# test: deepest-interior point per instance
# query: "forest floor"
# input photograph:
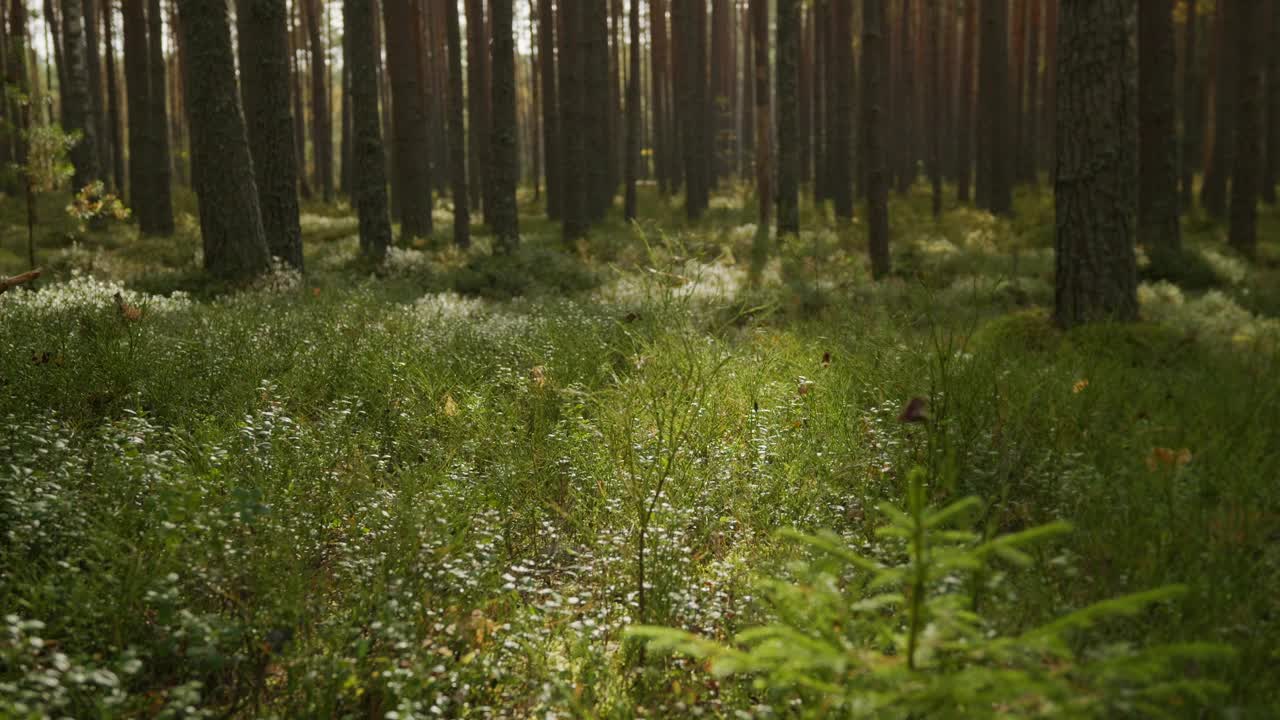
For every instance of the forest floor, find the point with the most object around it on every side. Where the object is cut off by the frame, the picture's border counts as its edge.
(417, 490)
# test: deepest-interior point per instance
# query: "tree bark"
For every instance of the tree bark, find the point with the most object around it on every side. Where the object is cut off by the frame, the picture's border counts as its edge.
(93, 67)
(115, 128)
(321, 122)
(573, 210)
(1221, 155)
(1247, 170)
(965, 111)
(77, 114)
(477, 99)
(410, 128)
(596, 108)
(550, 106)
(230, 221)
(1157, 128)
(504, 168)
(1096, 274)
(995, 191)
(457, 131)
(632, 164)
(1192, 108)
(137, 91)
(764, 159)
(874, 52)
(840, 147)
(368, 172)
(658, 54)
(905, 119)
(1272, 172)
(264, 84)
(933, 95)
(160, 160)
(788, 54)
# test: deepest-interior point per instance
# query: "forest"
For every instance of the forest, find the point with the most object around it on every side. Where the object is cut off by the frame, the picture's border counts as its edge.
(639, 359)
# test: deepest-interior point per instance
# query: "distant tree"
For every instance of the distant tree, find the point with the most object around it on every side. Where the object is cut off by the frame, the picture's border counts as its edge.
(1031, 117)
(1192, 106)
(16, 77)
(632, 164)
(411, 138)
(550, 99)
(477, 100)
(1220, 158)
(995, 192)
(904, 117)
(369, 171)
(874, 94)
(77, 113)
(660, 90)
(596, 108)
(115, 128)
(457, 131)
(1246, 173)
(321, 122)
(1096, 271)
(230, 222)
(932, 124)
(764, 143)
(840, 145)
(688, 21)
(1157, 127)
(296, 42)
(504, 170)
(137, 91)
(262, 27)
(1271, 175)
(93, 69)
(159, 159)
(573, 202)
(788, 54)
(965, 111)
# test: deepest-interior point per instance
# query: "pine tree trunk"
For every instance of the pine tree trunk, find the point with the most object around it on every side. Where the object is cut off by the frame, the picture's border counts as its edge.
(77, 113)
(1272, 172)
(1157, 127)
(905, 119)
(874, 94)
(1221, 155)
(788, 54)
(141, 197)
(693, 106)
(1095, 265)
(994, 158)
(230, 221)
(1192, 107)
(550, 106)
(410, 140)
(933, 93)
(764, 160)
(1031, 125)
(299, 116)
(368, 172)
(93, 68)
(457, 131)
(965, 111)
(573, 222)
(263, 31)
(477, 97)
(1049, 115)
(159, 159)
(16, 78)
(1246, 173)
(115, 128)
(596, 108)
(504, 169)
(321, 122)
(632, 164)
(840, 149)
(805, 135)
(658, 54)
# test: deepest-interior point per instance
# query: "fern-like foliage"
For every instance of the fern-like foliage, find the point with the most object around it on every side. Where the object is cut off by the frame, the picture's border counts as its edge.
(857, 637)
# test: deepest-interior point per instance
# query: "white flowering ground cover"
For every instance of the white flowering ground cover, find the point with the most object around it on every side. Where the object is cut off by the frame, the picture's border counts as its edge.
(418, 490)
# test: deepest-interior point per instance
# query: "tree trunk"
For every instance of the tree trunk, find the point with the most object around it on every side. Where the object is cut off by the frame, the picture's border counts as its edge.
(77, 115)
(658, 54)
(1192, 107)
(1221, 155)
(504, 169)
(264, 83)
(995, 191)
(1031, 124)
(840, 147)
(933, 95)
(805, 135)
(410, 140)
(688, 19)
(1247, 169)
(368, 171)
(1095, 264)
(550, 106)
(632, 163)
(1272, 172)
(596, 108)
(764, 160)
(1048, 114)
(965, 111)
(477, 97)
(905, 117)
(573, 146)
(321, 122)
(141, 197)
(874, 93)
(299, 116)
(16, 78)
(457, 131)
(93, 67)
(159, 160)
(230, 221)
(115, 128)
(788, 54)
(1157, 127)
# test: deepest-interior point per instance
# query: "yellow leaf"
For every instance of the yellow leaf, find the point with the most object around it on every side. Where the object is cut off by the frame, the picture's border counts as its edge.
(450, 407)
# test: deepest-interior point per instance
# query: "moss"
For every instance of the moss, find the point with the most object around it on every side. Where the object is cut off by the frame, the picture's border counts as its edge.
(1028, 331)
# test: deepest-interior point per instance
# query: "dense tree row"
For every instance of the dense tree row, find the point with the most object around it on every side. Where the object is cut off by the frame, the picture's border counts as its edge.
(839, 100)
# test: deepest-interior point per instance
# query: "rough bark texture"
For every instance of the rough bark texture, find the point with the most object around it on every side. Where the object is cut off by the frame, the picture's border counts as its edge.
(93, 68)
(457, 131)
(136, 93)
(16, 77)
(904, 117)
(1157, 127)
(550, 106)
(321, 122)
(1192, 107)
(995, 191)
(933, 95)
(874, 93)
(596, 107)
(788, 53)
(1246, 174)
(230, 222)
(410, 130)
(369, 171)
(115, 128)
(573, 208)
(689, 20)
(1093, 184)
(477, 98)
(764, 144)
(632, 165)
(159, 160)
(840, 149)
(77, 113)
(1221, 155)
(658, 81)
(504, 167)
(965, 111)
(264, 83)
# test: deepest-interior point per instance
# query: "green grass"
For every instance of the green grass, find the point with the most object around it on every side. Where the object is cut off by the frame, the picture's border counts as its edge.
(416, 486)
